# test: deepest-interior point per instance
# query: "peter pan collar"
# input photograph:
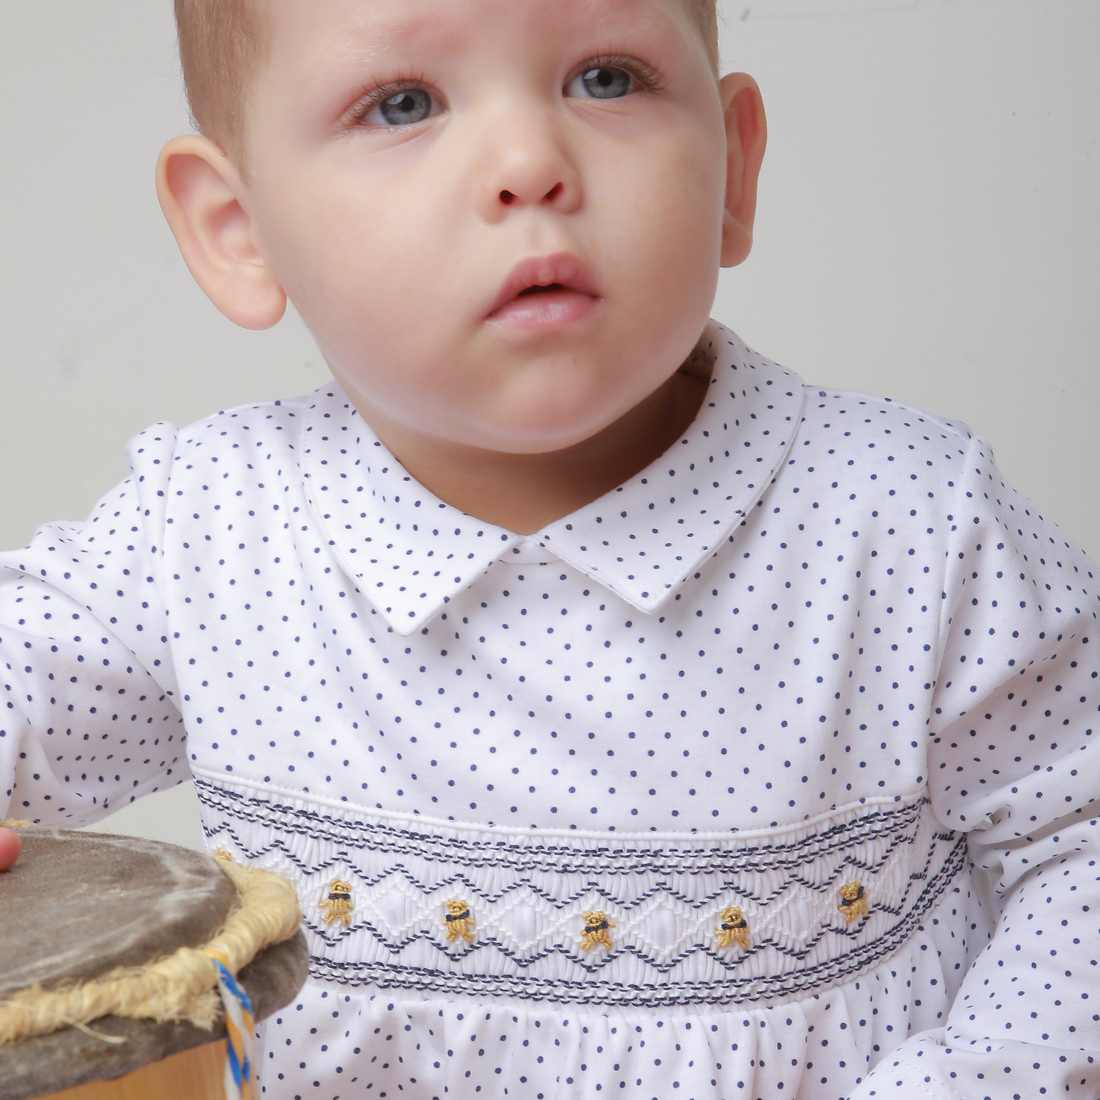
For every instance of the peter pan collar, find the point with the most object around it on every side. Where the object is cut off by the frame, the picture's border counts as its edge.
(411, 553)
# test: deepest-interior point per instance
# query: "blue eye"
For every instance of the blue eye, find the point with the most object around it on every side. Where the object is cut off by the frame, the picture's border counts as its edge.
(403, 108)
(603, 82)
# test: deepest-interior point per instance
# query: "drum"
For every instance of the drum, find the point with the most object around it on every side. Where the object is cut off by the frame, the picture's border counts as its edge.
(125, 964)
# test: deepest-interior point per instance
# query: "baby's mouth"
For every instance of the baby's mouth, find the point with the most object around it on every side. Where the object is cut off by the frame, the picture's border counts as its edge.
(539, 289)
(544, 293)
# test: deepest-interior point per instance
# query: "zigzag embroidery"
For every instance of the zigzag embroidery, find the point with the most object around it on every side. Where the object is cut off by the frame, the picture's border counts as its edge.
(345, 862)
(536, 856)
(927, 896)
(673, 994)
(332, 938)
(529, 894)
(553, 857)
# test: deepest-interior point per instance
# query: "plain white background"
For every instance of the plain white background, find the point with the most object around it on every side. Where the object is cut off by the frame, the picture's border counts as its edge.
(928, 229)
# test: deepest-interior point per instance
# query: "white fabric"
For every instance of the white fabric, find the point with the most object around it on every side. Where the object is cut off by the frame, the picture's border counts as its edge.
(817, 613)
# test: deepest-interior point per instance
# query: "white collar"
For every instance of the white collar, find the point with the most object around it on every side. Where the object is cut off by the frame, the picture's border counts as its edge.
(411, 553)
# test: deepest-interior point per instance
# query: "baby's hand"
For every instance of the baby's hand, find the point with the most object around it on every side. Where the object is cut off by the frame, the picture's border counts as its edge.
(10, 847)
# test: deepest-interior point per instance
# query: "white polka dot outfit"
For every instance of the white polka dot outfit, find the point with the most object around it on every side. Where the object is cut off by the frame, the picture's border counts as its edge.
(682, 796)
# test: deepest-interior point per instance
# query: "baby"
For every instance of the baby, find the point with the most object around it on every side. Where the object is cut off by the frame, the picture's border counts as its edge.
(629, 715)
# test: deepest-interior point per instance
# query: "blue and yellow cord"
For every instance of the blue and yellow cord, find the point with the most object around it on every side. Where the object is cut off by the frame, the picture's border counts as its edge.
(241, 1026)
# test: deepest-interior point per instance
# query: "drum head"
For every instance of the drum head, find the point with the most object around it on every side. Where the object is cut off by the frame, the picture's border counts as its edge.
(78, 905)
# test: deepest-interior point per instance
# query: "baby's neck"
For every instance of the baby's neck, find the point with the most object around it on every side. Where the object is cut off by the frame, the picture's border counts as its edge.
(525, 492)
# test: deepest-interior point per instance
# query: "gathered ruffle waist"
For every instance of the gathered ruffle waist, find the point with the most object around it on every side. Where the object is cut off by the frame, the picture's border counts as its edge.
(440, 909)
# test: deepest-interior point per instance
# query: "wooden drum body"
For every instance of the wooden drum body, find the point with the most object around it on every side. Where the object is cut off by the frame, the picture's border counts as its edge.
(78, 907)
(195, 1074)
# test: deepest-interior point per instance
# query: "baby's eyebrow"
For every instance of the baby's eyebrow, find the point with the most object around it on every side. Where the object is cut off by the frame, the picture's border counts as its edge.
(370, 40)
(387, 26)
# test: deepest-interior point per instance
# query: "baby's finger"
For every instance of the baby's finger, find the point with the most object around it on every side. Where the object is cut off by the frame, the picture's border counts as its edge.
(10, 847)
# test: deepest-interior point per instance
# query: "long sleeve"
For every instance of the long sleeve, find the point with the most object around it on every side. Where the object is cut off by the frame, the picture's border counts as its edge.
(1012, 760)
(88, 716)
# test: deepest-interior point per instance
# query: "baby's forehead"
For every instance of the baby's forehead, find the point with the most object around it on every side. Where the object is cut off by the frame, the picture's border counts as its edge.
(385, 25)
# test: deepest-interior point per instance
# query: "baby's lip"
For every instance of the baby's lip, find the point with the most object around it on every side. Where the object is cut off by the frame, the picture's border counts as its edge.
(559, 270)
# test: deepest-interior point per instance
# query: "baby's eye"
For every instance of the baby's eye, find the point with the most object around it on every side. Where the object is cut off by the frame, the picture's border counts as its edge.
(601, 82)
(403, 108)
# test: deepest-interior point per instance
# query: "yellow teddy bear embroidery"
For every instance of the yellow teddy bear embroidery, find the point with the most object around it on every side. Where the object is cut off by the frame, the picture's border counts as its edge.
(458, 921)
(853, 902)
(338, 904)
(596, 927)
(733, 929)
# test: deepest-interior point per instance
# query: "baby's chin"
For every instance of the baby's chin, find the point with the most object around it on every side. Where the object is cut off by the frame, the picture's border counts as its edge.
(516, 419)
(492, 396)
(518, 437)
(544, 428)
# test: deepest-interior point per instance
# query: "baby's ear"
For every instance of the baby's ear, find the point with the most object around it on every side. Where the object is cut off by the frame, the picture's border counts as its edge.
(204, 199)
(746, 139)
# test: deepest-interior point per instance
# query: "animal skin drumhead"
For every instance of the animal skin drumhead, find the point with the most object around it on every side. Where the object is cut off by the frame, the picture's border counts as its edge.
(77, 906)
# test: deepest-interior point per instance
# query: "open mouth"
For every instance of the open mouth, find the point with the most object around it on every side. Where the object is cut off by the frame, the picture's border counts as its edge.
(543, 293)
(539, 289)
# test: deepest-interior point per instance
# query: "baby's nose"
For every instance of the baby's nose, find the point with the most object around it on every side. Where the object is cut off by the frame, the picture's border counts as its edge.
(508, 197)
(526, 162)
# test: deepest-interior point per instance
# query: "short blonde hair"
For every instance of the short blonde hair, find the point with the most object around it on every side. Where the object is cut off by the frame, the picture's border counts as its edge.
(706, 15)
(223, 42)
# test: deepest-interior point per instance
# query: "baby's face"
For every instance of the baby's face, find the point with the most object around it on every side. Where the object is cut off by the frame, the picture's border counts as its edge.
(420, 168)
